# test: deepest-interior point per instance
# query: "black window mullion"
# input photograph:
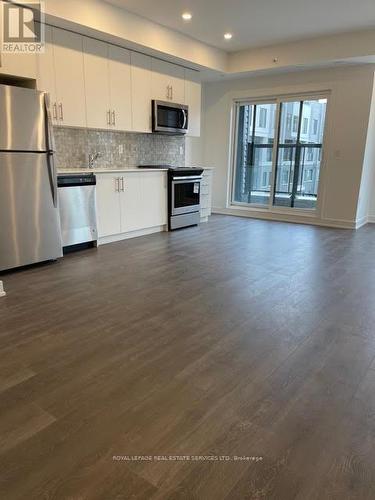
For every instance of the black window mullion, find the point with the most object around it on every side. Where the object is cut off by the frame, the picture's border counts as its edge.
(297, 158)
(277, 154)
(252, 154)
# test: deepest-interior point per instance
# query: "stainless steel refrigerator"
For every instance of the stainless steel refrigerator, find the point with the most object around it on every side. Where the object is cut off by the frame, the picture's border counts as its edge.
(29, 217)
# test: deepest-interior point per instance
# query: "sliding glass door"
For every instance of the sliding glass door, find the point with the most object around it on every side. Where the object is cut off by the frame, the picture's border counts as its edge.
(278, 153)
(254, 156)
(299, 153)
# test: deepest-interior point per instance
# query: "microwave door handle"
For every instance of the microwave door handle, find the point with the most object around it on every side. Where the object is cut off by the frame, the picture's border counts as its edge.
(184, 122)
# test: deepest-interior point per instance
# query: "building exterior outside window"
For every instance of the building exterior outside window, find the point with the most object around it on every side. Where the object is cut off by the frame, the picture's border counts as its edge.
(256, 156)
(262, 117)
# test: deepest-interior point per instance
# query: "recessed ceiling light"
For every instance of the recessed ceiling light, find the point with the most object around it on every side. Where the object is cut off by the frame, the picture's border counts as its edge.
(228, 36)
(186, 16)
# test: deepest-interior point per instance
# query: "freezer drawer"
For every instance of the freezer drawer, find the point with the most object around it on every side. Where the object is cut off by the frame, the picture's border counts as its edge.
(29, 218)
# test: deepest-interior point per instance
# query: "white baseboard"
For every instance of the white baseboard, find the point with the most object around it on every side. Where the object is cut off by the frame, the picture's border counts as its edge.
(295, 219)
(132, 234)
(361, 222)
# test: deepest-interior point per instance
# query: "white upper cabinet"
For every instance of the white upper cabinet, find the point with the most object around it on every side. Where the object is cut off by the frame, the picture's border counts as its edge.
(193, 98)
(99, 85)
(168, 82)
(120, 88)
(141, 95)
(46, 73)
(98, 110)
(69, 77)
(19, 65)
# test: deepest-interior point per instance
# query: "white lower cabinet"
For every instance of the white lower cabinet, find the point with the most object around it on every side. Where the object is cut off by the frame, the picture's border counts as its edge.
(108, 204)
(131, 206)
(154, 191)
(130, 201)
(206, 195)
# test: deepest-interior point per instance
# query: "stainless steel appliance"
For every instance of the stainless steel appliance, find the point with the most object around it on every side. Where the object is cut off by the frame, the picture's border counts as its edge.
(29, 217)
(170, 118)
(184, 188)
(184, 197)
(77, 201)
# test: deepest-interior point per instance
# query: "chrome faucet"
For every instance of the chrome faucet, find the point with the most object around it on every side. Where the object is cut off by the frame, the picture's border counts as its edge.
(93, 157)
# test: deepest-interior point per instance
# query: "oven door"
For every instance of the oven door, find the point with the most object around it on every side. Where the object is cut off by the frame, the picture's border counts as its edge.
(186, 195)
(169, 118)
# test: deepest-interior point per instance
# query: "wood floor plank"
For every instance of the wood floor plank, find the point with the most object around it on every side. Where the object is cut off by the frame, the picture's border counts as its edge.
(12, 372)
(238, 337)
(21, 423)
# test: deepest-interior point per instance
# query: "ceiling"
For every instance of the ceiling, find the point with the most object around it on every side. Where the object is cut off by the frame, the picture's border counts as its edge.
(255, 23)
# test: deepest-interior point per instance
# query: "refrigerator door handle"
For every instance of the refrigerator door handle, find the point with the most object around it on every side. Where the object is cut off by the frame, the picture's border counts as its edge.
(48, 121)
(52, 177)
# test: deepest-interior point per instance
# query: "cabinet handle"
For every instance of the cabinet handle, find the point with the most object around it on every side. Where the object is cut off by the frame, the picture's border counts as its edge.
(117, 184)
(113, 118)
(167, 91)
(171, 92)
(122, 185)
(54, 111)
(61, 111)
(109, 117)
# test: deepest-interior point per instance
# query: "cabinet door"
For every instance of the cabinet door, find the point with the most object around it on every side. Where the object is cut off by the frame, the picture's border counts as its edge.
(193, 97)
(96, 83)
(131, 203)
(168, 82)
(108, 205)
(141, 92)
(120, 88)
(70, 88)
(154, 199)
(46, 73)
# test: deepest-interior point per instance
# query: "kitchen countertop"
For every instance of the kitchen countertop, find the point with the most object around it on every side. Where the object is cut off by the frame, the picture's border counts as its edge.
(112, 170)
(107, 170)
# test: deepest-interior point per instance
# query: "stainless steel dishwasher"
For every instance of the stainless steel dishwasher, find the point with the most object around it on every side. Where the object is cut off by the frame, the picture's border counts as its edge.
(77, 203)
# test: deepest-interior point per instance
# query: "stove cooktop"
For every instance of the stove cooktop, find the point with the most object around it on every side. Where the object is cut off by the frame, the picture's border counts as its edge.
(170, 167)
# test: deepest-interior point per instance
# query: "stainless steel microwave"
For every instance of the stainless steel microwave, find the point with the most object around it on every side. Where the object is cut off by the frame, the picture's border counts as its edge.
(170, 118)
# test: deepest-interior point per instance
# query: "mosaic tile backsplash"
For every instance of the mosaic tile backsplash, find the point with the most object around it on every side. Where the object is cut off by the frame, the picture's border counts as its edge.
(118, 149)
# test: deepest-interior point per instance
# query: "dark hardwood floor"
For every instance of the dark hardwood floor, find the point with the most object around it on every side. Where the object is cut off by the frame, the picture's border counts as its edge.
(238, 338)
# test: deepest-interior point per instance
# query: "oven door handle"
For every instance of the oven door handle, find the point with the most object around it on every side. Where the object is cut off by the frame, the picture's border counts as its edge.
(187, 178)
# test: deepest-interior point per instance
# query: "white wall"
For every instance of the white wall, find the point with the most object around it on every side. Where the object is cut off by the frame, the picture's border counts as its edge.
(312, 51)
(347, 120)
(367, 189)
(371, 214)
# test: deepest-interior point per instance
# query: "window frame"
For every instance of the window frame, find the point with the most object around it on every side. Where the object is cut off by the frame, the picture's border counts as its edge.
(277, 99)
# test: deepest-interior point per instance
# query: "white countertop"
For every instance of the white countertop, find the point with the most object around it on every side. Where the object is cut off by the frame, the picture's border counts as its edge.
(112, 170)
(107, 170)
